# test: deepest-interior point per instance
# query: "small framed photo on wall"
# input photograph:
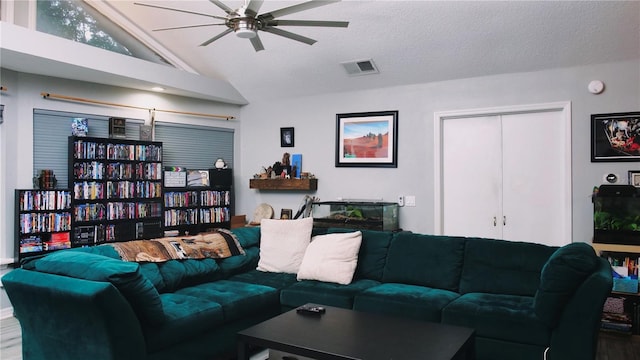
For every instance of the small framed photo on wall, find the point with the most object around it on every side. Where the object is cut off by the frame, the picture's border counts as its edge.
(286, 214)
(286, 137)
(634, 178)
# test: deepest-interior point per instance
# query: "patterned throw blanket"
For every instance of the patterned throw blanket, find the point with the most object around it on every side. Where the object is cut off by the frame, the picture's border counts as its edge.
(219, 244)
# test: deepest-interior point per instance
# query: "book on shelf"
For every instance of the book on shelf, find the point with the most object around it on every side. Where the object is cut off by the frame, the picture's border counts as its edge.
(88, 235)
(58, 241)
(31, 244)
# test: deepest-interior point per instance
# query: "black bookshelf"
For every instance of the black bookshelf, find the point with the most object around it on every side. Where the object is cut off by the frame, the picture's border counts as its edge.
(116, 190)
(43, 221)
(200, 206)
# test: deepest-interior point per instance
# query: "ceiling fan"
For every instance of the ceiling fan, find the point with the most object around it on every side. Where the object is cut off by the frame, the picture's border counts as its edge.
(245, 21)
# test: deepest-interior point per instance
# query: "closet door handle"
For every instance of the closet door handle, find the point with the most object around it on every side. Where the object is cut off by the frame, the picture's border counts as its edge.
(504, 221)
(495, 221)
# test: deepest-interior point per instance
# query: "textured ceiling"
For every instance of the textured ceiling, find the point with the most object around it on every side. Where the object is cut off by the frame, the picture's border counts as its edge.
(409, 41)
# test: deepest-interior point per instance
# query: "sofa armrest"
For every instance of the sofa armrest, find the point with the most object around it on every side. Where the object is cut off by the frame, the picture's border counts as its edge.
(69, 318)
(576, 335)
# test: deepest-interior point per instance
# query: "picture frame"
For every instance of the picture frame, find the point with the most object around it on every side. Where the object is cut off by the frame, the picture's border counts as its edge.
(615, 137)
(634, 178)
(367, 139)
(175, 177)
(287, 137)
(197, 178)
(286, 214)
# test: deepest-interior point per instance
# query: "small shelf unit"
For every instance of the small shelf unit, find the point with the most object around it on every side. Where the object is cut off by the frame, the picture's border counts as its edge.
(43, 221)
(284, 184)
(190, 210)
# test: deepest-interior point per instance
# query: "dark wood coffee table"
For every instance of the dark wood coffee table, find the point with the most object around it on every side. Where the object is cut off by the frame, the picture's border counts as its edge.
(347, 334)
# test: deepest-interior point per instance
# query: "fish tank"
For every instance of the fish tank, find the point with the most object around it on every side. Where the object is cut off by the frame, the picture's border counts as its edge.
(616, 215)
(356, 215)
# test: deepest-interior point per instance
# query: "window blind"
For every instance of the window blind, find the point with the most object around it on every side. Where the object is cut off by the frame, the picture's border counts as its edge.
(193, 147)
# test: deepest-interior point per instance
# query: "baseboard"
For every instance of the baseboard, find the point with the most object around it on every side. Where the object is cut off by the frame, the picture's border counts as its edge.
(6, 312)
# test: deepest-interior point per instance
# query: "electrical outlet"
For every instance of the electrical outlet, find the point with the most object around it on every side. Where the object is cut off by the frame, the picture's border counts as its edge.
(400, 200)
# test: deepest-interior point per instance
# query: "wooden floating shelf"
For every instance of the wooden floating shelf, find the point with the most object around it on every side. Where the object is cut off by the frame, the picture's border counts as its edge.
(283, 184)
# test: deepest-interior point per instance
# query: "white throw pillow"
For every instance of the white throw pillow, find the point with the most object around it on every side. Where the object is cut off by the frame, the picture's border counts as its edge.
(283, 243)
(331, 258)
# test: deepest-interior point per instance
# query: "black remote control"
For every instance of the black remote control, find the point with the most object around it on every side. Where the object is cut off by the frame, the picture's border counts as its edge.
(311, 310)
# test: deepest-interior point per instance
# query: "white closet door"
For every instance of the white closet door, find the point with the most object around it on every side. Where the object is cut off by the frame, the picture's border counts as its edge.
(471, 176)
(533, 178)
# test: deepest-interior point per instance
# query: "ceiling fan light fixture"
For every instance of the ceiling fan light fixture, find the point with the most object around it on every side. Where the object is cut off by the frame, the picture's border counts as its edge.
(245, 33)
(245, 28)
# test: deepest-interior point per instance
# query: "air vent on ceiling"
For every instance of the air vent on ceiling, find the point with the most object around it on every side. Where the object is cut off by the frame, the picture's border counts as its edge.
(360, 67)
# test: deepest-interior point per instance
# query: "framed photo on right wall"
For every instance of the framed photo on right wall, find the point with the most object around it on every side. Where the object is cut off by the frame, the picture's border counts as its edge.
(634, 178)
(615, 137)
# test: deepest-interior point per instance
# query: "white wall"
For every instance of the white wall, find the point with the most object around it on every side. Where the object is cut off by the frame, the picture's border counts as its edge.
(16, 136)
(257, 141)
(314, 121)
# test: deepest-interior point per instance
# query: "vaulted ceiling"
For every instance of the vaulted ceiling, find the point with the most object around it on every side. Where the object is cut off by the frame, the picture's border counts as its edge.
(409, 41)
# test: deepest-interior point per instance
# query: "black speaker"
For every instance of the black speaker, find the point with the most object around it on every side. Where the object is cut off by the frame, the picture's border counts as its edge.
(220, 177)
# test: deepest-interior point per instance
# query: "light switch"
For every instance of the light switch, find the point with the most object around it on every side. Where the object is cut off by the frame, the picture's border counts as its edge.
(410, 200)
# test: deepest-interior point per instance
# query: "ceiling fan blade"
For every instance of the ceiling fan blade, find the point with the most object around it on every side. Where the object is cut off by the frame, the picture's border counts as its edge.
(257, 43)
(308, 23)
(180, 10)
(222, 6)
(289, 35)
(295, 8)
(254, 6)
(185, 27)
(216, 37)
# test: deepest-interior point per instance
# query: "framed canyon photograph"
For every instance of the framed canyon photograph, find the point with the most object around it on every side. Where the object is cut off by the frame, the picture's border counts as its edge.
(367, 139)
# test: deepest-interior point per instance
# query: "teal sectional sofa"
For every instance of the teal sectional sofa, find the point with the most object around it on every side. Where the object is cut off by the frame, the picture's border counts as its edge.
(525, 301)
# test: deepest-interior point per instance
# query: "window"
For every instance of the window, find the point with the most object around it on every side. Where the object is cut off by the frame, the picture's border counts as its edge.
(77, 21)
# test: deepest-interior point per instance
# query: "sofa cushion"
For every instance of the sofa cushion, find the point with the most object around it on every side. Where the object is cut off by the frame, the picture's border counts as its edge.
(152, 272)
(372, 256)
(248, 236)
(427, 260)
(498, 316)
(125, 276)
(318, 292)
(238, 299)
(331, 258)
(185, 317)
(412, 301)
(177, 274)
(283, 243)
(274, 280)
(237, 264)
(566, 269)
(104, 250)
(503, 267)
